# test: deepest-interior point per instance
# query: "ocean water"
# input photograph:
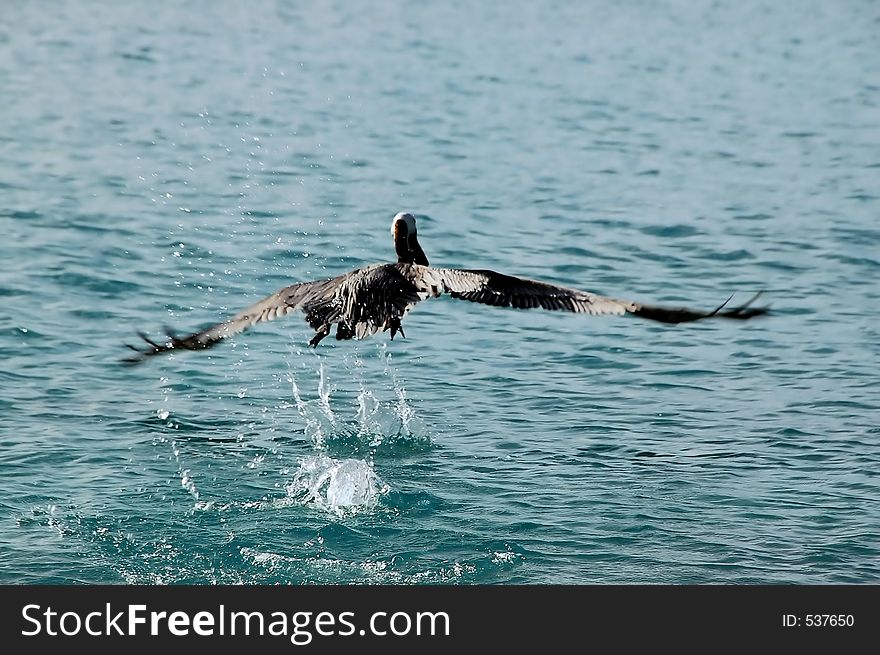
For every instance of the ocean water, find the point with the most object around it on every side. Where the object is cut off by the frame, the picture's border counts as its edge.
(168, 164)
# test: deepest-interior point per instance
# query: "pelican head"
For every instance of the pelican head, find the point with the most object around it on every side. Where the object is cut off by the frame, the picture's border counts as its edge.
(406, 243)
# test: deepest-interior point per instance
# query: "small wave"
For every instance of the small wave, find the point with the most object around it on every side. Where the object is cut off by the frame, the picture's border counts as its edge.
(321, 569)
(338, 486)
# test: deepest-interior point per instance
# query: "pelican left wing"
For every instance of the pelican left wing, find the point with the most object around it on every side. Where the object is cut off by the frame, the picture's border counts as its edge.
(316, 299)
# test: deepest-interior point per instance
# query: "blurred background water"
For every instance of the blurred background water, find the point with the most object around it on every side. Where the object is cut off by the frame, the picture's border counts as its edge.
(168, 163)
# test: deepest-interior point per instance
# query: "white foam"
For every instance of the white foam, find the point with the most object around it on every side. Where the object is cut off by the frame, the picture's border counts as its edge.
(339, 486)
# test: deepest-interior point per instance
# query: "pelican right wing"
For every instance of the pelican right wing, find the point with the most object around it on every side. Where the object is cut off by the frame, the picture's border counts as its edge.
(491, 288)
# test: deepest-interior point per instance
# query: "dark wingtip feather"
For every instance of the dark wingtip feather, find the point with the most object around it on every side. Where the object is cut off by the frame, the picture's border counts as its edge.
(721, 306)
(746, 311)
(675, 316)
(148, 340)
(154, 349)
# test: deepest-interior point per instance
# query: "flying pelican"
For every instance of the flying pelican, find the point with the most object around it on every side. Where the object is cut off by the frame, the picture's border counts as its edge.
(376, 297)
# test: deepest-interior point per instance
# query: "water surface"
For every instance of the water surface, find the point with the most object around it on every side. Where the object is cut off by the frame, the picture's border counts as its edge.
(169, 164)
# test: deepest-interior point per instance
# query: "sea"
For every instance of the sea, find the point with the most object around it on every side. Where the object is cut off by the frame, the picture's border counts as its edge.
(164, 165)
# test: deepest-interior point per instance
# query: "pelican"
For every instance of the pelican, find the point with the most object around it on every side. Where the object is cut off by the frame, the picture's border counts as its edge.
(376, 297)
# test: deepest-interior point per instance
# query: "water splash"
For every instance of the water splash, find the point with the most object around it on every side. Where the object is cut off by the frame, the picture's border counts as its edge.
(189, 484)
(376, 422)
(186, 480)
(314, 429)
(405, 411)
(338, 486)
(506, 556)
(324, 391)
(369, 426)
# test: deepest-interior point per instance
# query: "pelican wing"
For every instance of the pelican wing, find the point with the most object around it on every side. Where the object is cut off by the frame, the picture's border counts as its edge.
(491, 288)
(316, 299)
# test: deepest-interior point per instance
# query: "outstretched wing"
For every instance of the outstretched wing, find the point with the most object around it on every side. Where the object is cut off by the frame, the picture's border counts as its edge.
(316, 299)
(491, 288)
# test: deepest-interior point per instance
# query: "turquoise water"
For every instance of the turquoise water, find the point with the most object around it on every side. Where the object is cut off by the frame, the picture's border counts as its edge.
(170, 163)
